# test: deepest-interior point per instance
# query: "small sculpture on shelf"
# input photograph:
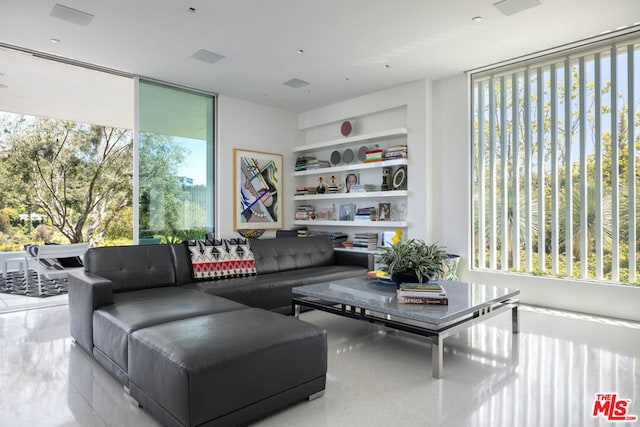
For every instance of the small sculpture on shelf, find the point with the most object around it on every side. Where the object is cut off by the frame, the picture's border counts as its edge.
(333, 187)
(386, 178)
(321, 188)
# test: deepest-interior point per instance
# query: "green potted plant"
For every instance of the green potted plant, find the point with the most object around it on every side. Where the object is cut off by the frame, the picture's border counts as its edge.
(413, 261)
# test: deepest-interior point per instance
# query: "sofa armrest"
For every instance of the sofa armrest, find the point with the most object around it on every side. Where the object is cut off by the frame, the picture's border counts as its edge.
(87, 292)
(361, 259)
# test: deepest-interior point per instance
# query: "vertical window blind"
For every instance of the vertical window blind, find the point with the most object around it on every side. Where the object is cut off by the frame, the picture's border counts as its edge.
(556, 160)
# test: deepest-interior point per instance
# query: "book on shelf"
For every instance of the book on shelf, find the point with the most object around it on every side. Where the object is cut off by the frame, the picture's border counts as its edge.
(301, 162)
(304, 191)
(373, 155)
(337, 237)
(366, 214)
(365, 240)
(317, 164)
(395, 152)
(361, 188)
(305, 212)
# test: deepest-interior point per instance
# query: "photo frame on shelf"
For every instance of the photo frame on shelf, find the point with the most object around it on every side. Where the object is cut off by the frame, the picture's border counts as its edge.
(351, 179)
(257, 190)
(347, 212)
(384, 211)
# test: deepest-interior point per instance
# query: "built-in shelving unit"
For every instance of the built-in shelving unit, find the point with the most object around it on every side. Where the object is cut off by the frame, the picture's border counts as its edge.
(367, 172)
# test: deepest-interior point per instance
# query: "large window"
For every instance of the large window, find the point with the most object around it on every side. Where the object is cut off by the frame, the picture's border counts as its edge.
(175, 164)
(556, 165)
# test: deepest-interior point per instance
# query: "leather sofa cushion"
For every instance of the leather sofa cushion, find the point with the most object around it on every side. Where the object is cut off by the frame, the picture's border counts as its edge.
(205, 368)
(135, 310)
(273, 291)
(274, 255)
(133, 267)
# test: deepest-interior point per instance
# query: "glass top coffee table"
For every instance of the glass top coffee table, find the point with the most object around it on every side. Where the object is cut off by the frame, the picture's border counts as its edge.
(365, 299)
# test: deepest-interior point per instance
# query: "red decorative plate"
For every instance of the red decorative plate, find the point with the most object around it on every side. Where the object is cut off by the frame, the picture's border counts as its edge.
(346, 128)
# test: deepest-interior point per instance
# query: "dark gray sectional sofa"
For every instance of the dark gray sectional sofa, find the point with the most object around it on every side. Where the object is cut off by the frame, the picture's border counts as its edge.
(206, 352)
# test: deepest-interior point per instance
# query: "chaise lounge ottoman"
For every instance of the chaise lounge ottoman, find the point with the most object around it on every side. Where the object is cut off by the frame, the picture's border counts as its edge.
(225, 368)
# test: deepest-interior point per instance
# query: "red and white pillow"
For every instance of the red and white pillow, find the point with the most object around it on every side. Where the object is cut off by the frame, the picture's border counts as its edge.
(217, 259)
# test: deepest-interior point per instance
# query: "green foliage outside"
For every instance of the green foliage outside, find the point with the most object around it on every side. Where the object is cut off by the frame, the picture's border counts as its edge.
(75, 177)
(67, 182)
(614, 155)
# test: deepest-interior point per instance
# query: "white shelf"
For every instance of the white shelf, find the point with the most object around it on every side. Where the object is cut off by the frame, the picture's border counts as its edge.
(354, 195)
(381, 224)
(352, 167)
(373, 136)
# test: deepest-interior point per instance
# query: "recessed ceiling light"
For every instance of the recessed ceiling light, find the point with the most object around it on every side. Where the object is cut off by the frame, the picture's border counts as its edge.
(71, 15)
(296, 83)
(191, 10)
(300, 51)
(346, 79)
(510, 7)
(477, 19)
(207, 56)
(54, 41)
(387, 65)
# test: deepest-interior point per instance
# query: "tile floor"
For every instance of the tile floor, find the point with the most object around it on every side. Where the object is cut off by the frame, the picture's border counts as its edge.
(375, 377)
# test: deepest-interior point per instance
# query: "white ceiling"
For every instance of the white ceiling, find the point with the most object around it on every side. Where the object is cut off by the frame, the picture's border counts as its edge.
(260, 40)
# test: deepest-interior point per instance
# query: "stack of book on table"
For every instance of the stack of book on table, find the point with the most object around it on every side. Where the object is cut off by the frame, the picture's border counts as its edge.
(422, 293)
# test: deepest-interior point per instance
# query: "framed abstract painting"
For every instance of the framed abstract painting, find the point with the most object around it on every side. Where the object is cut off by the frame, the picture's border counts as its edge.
(257, 202)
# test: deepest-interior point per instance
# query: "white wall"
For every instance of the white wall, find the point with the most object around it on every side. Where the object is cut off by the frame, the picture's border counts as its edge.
(415, 98)
(256, 127)
(451, 203)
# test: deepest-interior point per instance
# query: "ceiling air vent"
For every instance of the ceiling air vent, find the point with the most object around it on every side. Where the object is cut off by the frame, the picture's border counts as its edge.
(295, 83)
(207, 56)
(510, 7)
(71, 15)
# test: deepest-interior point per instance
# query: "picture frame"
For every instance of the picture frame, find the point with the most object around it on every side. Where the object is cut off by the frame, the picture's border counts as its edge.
(384, 211)
(351, 179)
(347, 212)
(257, 190)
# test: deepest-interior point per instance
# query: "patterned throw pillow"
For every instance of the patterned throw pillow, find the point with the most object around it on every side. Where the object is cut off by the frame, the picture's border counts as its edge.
(241, 261)
(217, 259)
